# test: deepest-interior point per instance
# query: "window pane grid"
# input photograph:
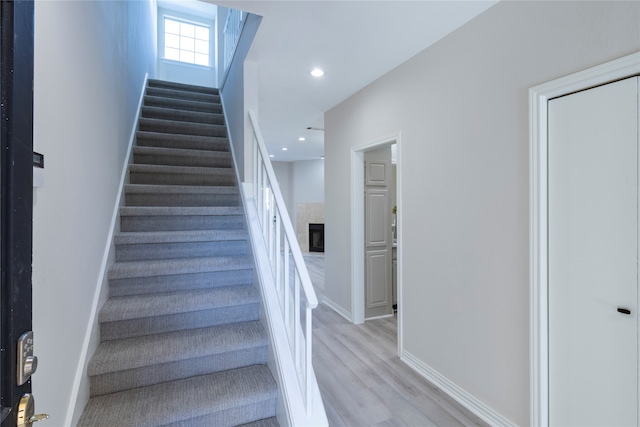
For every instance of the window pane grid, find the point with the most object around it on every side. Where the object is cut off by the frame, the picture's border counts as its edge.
(186, 42)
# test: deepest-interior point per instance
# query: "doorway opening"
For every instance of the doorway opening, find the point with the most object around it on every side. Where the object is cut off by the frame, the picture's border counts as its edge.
(358, 238)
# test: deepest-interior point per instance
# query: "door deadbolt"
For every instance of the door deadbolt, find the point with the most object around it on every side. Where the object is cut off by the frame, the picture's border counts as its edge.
(27, 362)
(26, 408)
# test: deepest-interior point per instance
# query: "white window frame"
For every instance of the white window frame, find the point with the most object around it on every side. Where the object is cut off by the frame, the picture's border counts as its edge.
(162, 34)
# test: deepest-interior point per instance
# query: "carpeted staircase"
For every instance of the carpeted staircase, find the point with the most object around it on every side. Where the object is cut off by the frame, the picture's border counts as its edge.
(181, 344)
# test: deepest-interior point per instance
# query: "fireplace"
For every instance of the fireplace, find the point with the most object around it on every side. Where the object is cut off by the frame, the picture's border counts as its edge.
(316, 237)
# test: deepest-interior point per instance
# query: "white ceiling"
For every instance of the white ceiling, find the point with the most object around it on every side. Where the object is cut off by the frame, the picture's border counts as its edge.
(354, 42)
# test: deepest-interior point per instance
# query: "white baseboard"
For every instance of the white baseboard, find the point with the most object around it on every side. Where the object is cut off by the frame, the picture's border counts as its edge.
(384, 316)
(338, 309)
(81, 380)
(457, 393)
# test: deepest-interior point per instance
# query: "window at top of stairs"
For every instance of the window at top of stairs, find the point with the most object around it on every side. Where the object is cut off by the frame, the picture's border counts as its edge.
(186, 42)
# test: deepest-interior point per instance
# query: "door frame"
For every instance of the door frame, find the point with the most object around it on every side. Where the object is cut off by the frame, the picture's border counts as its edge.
(539, 96)
(357, 231)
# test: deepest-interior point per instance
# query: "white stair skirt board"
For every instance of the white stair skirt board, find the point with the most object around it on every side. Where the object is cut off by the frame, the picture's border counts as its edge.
(455, 392)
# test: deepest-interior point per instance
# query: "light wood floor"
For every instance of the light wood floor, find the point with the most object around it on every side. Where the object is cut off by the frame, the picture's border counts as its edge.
(362, 380)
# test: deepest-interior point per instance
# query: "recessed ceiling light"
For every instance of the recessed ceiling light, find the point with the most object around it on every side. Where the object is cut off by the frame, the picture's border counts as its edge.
(321, 157)
(302, 138)
(271, 155)
(284, 148)
(317, 72)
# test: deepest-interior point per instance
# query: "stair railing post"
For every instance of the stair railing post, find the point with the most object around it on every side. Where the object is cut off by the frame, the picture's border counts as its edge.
(278, 275)
(308, 357)
(263, 207)
(273, 219)
(254, 178)
(296, 319)
(270, 224)
(286, 290)
(259, 199)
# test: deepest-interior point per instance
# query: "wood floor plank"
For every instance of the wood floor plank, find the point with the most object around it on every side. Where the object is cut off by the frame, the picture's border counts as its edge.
(362, 380)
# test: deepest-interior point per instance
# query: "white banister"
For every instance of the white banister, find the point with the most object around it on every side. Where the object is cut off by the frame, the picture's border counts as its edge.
(294, 289)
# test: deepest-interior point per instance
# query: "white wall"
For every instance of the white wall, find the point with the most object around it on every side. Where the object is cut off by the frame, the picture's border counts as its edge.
(300, 182)
(187, 73)
(308, 181)
(283, 175)
(90, 62)
(462, 109)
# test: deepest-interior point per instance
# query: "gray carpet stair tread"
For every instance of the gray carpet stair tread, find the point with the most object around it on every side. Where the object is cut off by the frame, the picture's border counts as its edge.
(180, 189)
(168, 169)
(204, 143)
(161, 284)
(173, 152)
(179, 236)
(122, 270)
(180, 210)
(182, 94)
(266, 422)
(183, 86)
(172, 126)
(179, 401)
(168, 113)
(154, 305)
(132, 353)
(186, 105)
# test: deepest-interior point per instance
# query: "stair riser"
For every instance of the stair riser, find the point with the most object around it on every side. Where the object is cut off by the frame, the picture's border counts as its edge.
(182, 116)
(182, 87)
(178, 104)
(183, 282)
(140, 252)
(229, 398)
(144, 199)
(180, 222)
(178, 322)
(185, 95)
(182, 142)
(182, 179)
(233, 416)
(155, 374)
(167, 126)
(222, 161)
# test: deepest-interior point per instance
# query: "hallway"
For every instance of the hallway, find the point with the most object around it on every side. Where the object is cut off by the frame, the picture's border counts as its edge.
(363, 382)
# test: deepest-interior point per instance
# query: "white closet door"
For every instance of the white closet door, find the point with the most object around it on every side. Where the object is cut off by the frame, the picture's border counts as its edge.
(593, 257)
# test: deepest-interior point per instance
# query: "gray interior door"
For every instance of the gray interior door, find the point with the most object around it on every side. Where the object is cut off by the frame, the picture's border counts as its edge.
(378, 239)
(593, 257)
